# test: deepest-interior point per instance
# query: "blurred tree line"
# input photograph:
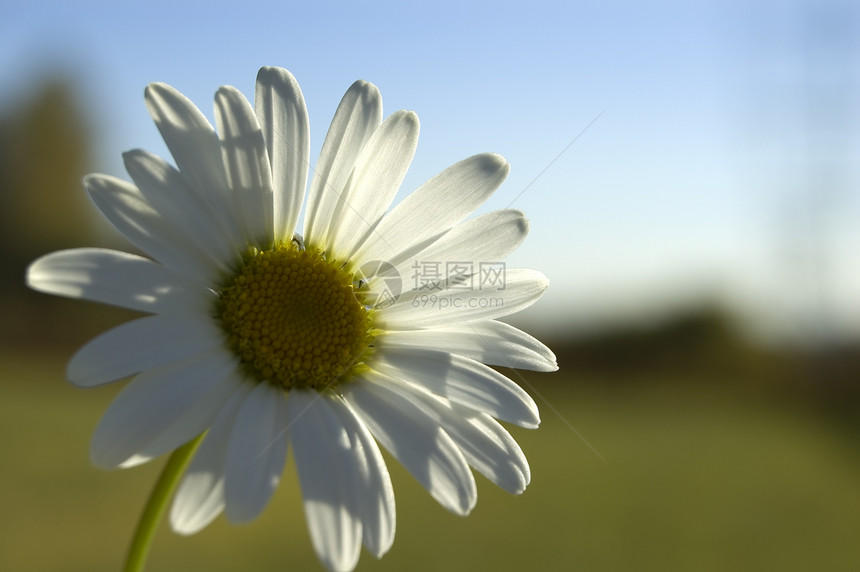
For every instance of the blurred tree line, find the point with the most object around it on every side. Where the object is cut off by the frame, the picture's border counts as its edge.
(705, 345)
(45, 150)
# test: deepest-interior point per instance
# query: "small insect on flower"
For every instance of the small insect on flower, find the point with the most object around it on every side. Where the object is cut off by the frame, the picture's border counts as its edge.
(259, 338)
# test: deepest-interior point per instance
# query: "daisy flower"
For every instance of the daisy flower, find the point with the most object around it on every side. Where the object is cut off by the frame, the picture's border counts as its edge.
(373, 326)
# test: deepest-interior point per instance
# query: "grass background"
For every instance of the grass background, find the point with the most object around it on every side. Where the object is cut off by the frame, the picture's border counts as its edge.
(697, 476)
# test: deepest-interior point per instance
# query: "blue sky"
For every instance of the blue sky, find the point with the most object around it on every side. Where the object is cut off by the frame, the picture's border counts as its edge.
(698, 181)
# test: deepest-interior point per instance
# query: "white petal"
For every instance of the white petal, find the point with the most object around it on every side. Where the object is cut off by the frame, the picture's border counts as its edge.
(356, 118)
(145, 343)
(378, 173)
(163, 408)
(376, 495)
(200, 496)
(435, 206)
(461, 380)
(472, 248)
(115, 278)
(247, 165)
(256, 453)
(429, 309)
(195, 148)
(490, 342)
(329, 474)
(127, 210)
(417, 441)
(169, 193)
(283, 117)
(487, 446)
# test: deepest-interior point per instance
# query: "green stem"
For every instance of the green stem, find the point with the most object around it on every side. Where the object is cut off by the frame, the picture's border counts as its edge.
(157, 504)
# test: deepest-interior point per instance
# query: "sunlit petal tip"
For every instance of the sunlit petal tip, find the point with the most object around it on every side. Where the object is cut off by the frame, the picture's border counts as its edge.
(198, 501)
(152, 89)
(161, 98)
(34, 274)
(523, 224)
(365, 87)
(90, 179)
(540, 280)
(493, 163)
(409, 123)
(269, 76)
(159, 89)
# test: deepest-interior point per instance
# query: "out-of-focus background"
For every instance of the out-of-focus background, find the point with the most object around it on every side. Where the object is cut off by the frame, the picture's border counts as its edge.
(691, 174)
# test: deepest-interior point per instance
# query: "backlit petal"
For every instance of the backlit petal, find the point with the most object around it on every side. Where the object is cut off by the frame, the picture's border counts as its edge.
(461, 380)
(356, 118)
(145, 343)
(115, 278)
(417, 441)
(379, 170)
(283, 117)
(490, 342)
(256, 453)
(329, 473)
(435, 207)
(163, 408)
(200, 496)
(246, 162)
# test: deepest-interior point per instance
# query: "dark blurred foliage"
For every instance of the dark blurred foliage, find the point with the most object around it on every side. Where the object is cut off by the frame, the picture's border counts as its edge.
(45, 150)
(706, 345)
(698, 341)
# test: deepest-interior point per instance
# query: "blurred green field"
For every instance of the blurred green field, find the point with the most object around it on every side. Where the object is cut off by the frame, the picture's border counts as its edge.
(694, 479)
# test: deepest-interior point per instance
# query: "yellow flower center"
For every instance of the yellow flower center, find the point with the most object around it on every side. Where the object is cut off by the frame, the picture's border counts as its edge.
(293, 319)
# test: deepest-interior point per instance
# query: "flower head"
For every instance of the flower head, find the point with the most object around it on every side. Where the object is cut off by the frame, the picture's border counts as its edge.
(371, 326)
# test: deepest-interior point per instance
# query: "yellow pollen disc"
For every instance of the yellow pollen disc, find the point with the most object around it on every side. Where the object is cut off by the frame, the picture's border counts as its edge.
(293, 319)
